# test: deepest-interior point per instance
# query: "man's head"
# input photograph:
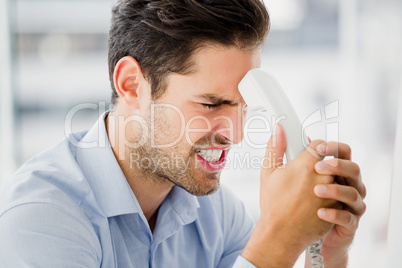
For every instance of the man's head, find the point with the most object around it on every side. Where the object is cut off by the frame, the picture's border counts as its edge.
(175, 66)
(163, 35)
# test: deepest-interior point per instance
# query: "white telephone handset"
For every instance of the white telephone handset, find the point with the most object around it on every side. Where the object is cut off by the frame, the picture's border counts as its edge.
(262, 92)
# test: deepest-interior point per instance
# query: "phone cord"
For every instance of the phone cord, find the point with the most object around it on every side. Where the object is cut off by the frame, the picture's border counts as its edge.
(316, 257)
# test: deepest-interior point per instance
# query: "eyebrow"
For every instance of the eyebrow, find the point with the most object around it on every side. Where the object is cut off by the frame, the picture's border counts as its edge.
(216, 99)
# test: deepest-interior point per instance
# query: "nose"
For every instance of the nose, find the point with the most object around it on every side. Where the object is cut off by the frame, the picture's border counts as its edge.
(230, 123)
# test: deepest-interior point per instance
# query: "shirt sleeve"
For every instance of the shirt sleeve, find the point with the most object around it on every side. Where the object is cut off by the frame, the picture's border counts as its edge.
(46, 235)
(243, 263)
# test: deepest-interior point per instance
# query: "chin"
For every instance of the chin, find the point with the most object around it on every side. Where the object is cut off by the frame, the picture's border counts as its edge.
(205, 189)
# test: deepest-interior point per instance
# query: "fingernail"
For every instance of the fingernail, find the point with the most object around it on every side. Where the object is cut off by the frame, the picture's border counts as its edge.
(321, 212)
(320, 189)
(321, 165)
(322, 148)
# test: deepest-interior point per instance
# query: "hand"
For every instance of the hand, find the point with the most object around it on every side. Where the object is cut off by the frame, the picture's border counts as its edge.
(288, 221)
(347, 189)
(286, 191)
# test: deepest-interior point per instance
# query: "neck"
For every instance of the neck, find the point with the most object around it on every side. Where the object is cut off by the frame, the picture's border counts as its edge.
(150, 192)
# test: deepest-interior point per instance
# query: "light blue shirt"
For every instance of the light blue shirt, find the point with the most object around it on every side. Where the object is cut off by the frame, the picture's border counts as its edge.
(71, 206)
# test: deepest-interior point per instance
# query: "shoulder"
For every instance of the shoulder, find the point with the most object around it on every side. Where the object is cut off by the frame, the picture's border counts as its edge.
(51, 179)
(41, 205)
(227, 208)
(52, 176)
(31, 232)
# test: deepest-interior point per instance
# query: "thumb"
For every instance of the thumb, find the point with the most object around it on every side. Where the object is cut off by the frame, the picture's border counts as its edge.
(275, 150)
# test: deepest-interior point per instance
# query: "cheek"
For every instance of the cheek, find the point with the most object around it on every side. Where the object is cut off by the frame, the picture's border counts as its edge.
(197, 127)
(168, 129)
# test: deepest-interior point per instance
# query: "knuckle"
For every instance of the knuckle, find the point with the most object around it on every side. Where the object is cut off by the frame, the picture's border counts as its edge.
(355, 196)
(364, 208)
(303, 165)
(350, 219)
(364, 191)
(348, 149)
(334, 189)
(356, 168)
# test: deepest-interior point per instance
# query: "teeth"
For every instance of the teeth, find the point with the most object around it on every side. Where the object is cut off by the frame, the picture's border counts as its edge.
(210, 155)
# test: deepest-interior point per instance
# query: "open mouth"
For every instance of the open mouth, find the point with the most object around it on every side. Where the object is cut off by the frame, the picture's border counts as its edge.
(210, 155)
(212, 159)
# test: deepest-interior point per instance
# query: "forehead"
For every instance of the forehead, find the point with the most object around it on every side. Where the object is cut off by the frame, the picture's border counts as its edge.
(225, 62)
(216, 70)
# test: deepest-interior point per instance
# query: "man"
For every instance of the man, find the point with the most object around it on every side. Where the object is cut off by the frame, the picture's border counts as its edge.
(141, 188)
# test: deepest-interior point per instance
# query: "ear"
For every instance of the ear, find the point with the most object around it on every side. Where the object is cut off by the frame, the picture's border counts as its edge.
(126, 77)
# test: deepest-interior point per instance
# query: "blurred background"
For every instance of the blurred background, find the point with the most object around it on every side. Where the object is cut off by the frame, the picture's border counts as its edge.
(339, 61)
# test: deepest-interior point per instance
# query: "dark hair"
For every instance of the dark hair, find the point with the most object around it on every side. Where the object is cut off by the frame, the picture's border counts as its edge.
(162, 35)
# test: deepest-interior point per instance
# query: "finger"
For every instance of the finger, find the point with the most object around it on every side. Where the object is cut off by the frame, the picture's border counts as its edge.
(346, 169)
(325, 179)
(275, 150)
(311, 152)
(340, 217)
(336, 149)
(345, 194)
(336, 166)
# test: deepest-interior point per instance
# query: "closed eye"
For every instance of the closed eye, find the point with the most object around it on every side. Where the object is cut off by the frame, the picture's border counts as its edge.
(211, 106)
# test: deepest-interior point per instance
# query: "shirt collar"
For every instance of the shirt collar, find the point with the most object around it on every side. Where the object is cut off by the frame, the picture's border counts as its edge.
(108, 183)
(185, 204)
(110, 187)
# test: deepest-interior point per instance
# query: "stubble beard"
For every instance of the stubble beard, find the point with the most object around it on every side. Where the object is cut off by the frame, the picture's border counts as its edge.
(176, 165)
